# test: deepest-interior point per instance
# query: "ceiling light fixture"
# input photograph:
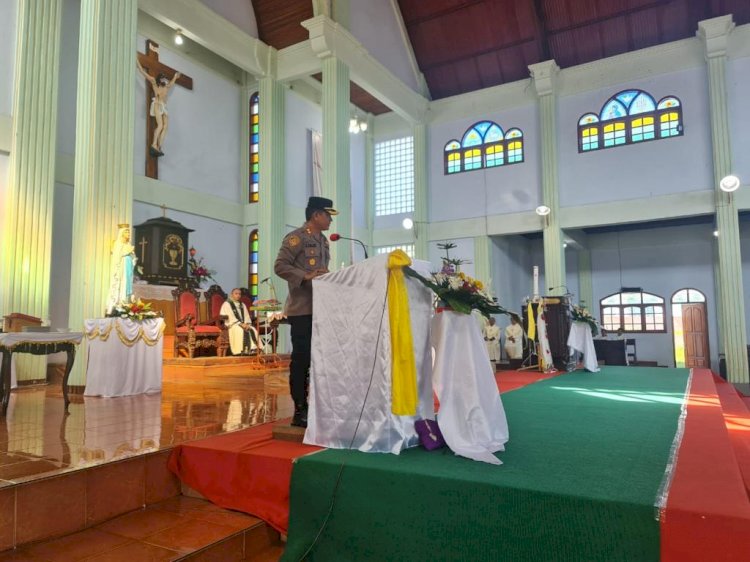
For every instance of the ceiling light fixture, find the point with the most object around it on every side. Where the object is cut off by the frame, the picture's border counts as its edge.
(729, 184)
(178, 40)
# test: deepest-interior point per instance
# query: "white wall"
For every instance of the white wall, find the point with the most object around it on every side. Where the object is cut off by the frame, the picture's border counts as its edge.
(660, 167)
(464, 250)
(202, 146)
(217, 242)
(376, 26)
(505, 189)
(8, 17)
(512, 263)
(738, 86)
(240, 14)
(302, 115)
(661, 261)
(68, 81)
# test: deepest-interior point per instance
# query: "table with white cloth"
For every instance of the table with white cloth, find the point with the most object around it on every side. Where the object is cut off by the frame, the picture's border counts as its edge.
(124, 356)
(471, 416)
(580, 340)
(36, 343)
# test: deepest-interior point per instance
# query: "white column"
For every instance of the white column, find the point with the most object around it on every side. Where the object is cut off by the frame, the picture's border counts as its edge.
(715, 35)
(336, 173)
(544, 75)
(421, 202)
(103, 194)
(27, 234)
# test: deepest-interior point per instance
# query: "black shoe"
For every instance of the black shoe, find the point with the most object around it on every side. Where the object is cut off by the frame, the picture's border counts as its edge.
(300, 417)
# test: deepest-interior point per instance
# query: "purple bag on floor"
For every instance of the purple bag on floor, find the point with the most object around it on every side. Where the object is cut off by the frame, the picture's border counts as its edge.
(429, 434)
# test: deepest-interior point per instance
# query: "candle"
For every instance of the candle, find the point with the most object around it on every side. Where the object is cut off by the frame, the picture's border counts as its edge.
(536, 281)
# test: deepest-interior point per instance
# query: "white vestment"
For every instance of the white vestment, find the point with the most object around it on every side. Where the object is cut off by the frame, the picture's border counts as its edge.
(514, 349)
(492, 339)
(236, 332)
(123, 263)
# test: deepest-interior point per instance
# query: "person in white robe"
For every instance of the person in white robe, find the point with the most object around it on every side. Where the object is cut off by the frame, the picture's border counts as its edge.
(243, 337)
(492, 339)
(514, 338)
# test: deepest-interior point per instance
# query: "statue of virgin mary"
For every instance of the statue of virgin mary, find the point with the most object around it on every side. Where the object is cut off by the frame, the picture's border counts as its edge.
(122, 265)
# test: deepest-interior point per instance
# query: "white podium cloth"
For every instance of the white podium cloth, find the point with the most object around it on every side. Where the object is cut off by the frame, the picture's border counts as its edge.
(12, 339)
(124, 356)
(471, 416)
(351, 334)
(581, 341)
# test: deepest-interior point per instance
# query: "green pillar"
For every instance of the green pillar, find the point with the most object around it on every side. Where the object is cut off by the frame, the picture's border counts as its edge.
(27, 236)
(543, 75)
(103, 194)
(421, 227)
(715, 35)
(271, 203)
(370, 181)
(336, 173)
(483, 260)
(585, 285)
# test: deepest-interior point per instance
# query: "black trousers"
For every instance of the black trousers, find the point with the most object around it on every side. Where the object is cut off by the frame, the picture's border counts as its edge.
(299, 368)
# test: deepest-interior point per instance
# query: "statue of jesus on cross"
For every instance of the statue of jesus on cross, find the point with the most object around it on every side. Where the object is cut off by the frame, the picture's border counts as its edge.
(161, 86)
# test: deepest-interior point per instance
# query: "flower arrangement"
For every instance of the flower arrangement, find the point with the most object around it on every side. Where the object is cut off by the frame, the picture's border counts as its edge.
(456, 289)
(198, 271)
(136, 310)
(581, 314)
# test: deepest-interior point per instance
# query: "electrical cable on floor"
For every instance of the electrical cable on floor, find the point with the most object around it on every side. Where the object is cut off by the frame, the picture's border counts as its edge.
(351, 443)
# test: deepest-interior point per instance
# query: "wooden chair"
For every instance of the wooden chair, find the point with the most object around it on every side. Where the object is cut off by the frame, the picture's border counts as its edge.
(215, 298)
(190, 332)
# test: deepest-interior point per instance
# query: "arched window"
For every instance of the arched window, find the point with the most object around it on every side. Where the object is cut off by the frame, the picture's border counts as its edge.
(252, 277)
(633, 312)
(254, 144)
(483, 145)
(629, 117)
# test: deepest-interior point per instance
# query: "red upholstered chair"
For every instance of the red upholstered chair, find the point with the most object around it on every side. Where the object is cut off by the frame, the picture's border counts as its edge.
(190, 333)
(215, 298)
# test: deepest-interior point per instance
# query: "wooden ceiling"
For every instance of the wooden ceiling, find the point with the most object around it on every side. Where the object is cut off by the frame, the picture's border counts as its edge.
(466, 45)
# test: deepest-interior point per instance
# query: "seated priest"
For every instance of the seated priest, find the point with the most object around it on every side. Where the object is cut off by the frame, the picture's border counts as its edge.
(514, 338)
(243, 338)
(492, 337)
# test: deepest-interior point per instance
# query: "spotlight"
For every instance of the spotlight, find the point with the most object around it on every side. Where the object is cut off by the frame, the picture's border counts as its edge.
(729, 184)
(543, 210)
(363, 126)
(407, 223)
(716, 233)
(178, 40)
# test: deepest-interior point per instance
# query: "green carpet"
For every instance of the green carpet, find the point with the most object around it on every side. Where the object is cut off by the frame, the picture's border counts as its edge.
(581, 472)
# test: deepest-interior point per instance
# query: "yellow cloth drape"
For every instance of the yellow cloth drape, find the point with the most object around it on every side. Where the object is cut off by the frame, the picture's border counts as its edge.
(404, 367)
(532, 321)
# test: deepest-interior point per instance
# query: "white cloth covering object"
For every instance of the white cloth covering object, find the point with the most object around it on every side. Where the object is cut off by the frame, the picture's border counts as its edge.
(124, 356)
(351, 351)
(12, 339)
(581, 341)
(471, 416)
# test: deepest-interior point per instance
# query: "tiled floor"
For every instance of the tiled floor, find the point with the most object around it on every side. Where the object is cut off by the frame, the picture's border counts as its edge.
(175, 529)
(37, 439)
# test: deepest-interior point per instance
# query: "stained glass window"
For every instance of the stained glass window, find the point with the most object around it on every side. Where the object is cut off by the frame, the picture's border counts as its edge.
(483, 145)
(252, 277)
(630, 116)
(254, 144)
(633, 312)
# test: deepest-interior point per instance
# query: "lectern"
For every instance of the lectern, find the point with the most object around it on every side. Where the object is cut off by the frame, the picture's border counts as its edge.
(161, 245)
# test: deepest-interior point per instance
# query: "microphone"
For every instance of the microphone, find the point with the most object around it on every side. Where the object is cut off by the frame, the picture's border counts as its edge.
(567, 291)
(264, 280)
(336, 237)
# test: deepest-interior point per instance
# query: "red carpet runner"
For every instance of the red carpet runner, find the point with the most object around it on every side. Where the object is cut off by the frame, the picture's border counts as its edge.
(250, 472)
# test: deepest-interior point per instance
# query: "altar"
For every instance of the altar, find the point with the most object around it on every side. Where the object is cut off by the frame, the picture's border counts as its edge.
(125, 356)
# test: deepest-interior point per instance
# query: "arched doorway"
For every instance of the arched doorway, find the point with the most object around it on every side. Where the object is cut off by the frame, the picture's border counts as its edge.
(690, 328)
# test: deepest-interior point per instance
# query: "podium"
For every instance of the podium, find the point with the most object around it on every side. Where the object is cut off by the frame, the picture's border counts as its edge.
(350, 374)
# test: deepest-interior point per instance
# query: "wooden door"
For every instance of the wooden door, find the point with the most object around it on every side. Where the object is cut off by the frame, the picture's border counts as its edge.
(695, 333)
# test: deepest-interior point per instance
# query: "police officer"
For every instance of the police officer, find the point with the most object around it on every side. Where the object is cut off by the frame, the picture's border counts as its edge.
(304, 255)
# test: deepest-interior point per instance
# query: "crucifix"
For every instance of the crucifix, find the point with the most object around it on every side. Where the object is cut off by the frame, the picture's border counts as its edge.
(159, 80)
(143, 244)
(163, 210)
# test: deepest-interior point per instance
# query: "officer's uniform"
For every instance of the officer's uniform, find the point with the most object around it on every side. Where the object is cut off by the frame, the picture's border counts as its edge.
(301, 252)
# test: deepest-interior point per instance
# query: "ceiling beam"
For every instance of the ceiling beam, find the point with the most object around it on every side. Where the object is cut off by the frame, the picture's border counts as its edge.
(444, 12)
(327, 38)
(204, 26)
(297, 61)
(541, 22)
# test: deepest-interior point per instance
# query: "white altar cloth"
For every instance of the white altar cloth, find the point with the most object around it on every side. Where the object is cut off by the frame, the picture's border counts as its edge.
(350, 318)
(581, 341)
(124, 356)
(471, 416)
